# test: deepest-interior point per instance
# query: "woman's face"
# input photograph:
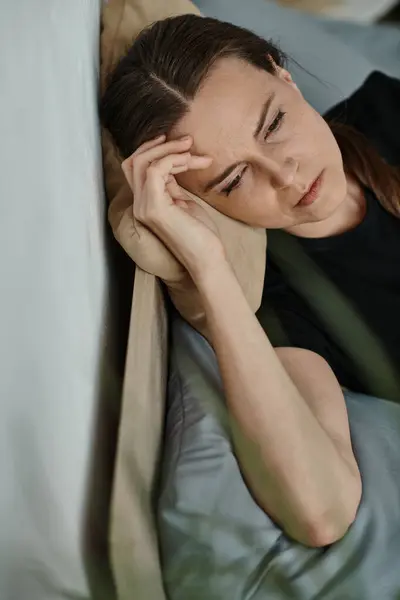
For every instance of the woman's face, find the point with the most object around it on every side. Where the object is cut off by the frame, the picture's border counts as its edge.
(268, 146)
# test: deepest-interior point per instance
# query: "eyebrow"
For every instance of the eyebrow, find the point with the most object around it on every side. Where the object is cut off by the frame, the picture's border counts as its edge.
(263, 115)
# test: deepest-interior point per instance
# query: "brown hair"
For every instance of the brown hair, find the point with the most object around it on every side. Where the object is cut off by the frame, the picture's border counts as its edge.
(362, 161)
(151, 88)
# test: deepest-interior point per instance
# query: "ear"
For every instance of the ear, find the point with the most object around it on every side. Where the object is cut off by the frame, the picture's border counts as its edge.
(282, 73)
(286, 76)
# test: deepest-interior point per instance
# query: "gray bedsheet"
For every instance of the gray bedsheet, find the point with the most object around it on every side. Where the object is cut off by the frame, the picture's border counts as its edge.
(215, 541)
(217, 544)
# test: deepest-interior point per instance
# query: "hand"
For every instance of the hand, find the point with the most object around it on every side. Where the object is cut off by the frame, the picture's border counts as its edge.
(165, 208)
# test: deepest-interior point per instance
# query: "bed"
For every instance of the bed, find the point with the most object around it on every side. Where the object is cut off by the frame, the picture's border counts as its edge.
(159, 554)
(66, 295)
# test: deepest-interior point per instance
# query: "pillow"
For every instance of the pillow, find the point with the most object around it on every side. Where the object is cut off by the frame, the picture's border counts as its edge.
(325, 68)
(132, 534)
(298, 35)
(379, 43)
(215, 540)
(245, 246)
(60, 375)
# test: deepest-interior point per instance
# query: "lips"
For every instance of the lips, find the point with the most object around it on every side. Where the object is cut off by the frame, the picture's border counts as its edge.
(313, 192)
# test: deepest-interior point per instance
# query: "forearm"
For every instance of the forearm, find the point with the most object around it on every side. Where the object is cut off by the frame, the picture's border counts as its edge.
(293, 467)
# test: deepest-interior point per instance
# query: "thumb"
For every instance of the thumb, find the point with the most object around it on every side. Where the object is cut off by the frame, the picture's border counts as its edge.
(180, 203)
(176, 192)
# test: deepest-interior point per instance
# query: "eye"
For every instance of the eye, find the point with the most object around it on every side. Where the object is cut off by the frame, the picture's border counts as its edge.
(235, 183)
(275, 125)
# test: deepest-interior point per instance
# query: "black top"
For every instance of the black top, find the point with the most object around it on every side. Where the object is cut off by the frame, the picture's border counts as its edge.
(340, 296)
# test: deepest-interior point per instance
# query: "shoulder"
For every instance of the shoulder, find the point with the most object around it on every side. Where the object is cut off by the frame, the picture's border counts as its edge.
(374, 109)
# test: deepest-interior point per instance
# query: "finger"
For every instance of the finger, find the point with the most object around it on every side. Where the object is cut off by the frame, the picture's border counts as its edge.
(159, 174)
(176, 191)
(199, 162)
(127, 171)
(181, 203)
(160, 171)
(160, 150)
(149, 144)
(166, 168)
(127, 163)
(153, 143)
(194, 162)
(179, 169)
(176, 163)
(167, 164)
(142, 161)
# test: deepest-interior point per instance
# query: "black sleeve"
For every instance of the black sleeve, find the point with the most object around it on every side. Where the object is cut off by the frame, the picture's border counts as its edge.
(289, 321)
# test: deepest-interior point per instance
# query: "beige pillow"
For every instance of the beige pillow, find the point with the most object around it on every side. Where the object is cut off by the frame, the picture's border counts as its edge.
(132, 529)
(245, 246)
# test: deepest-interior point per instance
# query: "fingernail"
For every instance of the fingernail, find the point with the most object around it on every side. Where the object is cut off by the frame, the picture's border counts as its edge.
(185, 138)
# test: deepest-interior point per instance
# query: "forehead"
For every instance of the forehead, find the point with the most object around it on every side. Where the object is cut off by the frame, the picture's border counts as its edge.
(227, 106)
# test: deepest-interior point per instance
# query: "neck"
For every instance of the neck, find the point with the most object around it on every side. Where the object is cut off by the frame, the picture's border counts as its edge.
(347, 216)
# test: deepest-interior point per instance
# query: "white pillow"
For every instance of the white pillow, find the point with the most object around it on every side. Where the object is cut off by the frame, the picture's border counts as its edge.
(54, 296)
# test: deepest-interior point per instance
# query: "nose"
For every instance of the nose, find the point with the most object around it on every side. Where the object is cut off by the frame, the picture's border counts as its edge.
(281, 172)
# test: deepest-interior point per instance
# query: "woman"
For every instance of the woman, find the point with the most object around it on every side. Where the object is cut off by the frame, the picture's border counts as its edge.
(209, 107)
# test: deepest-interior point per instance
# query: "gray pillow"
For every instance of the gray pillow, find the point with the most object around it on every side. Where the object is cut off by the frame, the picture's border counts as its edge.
(216, 543)
(334, 68)
(379, 43)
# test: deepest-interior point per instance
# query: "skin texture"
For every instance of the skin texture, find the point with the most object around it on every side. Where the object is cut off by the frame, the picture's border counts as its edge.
(276, 169)
(288, 416)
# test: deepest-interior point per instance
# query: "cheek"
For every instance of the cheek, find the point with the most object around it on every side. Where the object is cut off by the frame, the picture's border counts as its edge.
(310, 137)
(324, 141)
(253, 208)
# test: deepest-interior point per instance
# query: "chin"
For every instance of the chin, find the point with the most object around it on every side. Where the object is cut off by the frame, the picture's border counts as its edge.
(335, 201)
(325, 209)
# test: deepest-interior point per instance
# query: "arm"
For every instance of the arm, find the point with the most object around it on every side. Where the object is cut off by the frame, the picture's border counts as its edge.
(289, 419)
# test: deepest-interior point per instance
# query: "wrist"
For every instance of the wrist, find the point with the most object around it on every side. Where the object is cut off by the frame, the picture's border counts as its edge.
(206, 267)
(214, 275)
